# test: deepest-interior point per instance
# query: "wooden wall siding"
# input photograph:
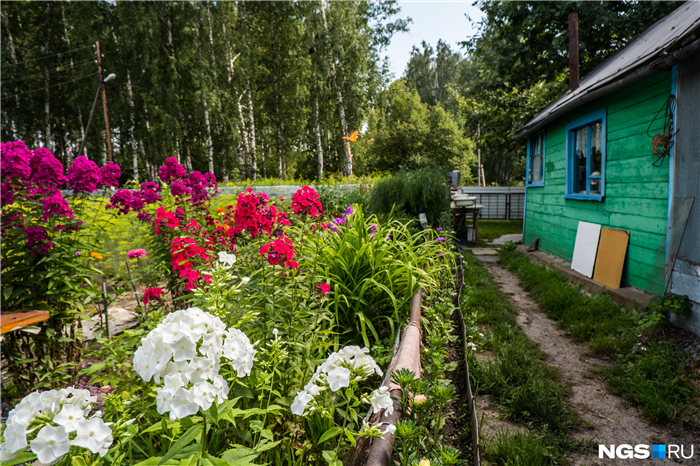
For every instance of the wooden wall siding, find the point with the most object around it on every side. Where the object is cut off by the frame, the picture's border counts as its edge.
(636, 193)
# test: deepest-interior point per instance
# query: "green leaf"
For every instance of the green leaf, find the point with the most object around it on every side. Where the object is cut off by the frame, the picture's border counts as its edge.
(267, 433)
(157, 461)
(192, 433)
(329, 434)
(267, 446)
(78, 461)
(350, 437)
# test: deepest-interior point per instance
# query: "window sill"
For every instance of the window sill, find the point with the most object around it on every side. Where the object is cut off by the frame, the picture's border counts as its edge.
(539, 184)
(583, 197)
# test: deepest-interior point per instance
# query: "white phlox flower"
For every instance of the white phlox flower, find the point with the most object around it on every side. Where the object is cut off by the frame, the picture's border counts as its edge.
(300, 401)
(390, 429)
(336, 372)
(227, 259)
(381, 399)
(339, 378)
(183, 404)
(66, 407)
(51, 443)
(93, 435)
(184, 353)
(69, 417)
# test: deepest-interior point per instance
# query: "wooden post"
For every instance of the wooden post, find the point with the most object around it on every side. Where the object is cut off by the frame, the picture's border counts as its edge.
(573, 52)
(104, 102)
(104, 296)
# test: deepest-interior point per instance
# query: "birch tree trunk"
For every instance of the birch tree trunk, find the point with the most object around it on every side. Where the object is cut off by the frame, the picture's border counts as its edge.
(317, 128)
(278, 121)
(253, 174)
(47, 136)
(13, 55)
(347, 166)
(134, 149)
(245, 156)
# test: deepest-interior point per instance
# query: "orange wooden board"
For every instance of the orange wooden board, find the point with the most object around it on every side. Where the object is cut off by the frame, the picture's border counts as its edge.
(14, 319)
(610, 259)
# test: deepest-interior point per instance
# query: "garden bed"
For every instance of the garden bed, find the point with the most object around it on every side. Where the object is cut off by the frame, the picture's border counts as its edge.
(268, 360)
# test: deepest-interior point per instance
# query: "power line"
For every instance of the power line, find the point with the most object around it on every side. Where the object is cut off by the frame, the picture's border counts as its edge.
(49, 87)
(40, 74)
(49, 56)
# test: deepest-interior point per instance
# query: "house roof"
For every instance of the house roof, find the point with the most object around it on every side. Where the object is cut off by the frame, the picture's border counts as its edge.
(647, 53)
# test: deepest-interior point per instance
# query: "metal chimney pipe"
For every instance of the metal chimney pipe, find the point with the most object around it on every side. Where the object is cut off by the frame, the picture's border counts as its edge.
(573, 52)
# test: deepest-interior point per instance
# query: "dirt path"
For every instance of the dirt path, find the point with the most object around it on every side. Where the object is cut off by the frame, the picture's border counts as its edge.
(614, 421)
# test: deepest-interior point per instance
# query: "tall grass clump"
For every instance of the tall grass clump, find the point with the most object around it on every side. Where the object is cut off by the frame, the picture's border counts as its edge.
(412, 192)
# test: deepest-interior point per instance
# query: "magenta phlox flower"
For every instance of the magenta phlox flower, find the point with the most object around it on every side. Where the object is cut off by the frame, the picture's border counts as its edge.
(143, 217)
(179, 189)
(56, 205)
(37, 240)
(14, 160)
(7, 194)
(172, 171)
(84, 175)
(439, 239)
(110, 174)
(122, 200)
(136, 253)
(198, 188)
(47, 172)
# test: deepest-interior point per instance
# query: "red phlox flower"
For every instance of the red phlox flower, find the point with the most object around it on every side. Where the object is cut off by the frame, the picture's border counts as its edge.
(150, 294)
(306, 202)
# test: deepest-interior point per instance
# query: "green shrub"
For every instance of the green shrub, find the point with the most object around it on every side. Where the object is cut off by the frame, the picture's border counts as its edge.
(412, 192)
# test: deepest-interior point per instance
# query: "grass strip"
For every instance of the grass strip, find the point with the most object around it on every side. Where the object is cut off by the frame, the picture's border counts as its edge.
(526, 389)
(653, 373)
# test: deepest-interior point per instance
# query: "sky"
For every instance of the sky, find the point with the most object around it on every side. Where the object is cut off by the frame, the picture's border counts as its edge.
(432, 20)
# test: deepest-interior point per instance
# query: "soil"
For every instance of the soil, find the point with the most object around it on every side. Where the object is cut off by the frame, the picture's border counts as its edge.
(456, 432)
(613, 421)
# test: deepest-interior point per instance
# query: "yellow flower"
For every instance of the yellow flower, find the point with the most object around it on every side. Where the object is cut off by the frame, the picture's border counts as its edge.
(424, 463)
(96, 255)
(420, 399)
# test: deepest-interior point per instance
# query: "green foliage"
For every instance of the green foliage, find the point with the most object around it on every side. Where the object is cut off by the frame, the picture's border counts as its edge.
(518, 448)
(412, 192)
(519, 50)
(648, 371)
(407, 132)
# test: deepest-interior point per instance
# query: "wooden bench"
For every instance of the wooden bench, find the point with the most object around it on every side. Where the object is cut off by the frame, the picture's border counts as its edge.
(13, 319)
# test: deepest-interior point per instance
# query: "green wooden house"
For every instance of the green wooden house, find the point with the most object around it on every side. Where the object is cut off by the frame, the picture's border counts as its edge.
(590, 159)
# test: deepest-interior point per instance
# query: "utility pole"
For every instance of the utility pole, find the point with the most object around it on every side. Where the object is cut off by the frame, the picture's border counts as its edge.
(104, 103)
(480, 178)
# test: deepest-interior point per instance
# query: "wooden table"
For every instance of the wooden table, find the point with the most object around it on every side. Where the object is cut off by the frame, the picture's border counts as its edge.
(13, 319)
(459, 216)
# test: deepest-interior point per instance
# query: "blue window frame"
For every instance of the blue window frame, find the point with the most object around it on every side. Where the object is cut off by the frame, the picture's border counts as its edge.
(535, 160)
(585, 157)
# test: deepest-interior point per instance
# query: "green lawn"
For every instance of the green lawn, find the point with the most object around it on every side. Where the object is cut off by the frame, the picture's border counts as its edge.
(489, 230)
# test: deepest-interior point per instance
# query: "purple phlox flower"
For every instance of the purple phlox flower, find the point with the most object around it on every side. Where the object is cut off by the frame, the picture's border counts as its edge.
(349, 211)
(56, 205)
(439, 239)
(440, 254)
(37, 240)
(172, 171)
(84, 175)
(372, 228)
(77, 253)
(339, 221)
(14, 160)
(438, 229)
(110, 174)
